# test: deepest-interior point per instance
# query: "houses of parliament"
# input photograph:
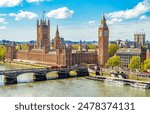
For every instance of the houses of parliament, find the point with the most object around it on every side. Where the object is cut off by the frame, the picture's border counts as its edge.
(58, 54)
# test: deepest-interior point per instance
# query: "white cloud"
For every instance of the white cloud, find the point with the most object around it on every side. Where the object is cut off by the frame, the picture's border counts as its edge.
(114, 20)
(60, 13)
(140, 9)
(2, 15)
(9, 3)
(32, 1)
(92, 22)
(36, 1)
(144, 17)
(2, 20)
(2, 27)
(12, 14)
(23, 14)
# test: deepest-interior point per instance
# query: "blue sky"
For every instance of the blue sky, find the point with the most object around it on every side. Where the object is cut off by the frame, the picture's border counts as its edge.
(77, 19)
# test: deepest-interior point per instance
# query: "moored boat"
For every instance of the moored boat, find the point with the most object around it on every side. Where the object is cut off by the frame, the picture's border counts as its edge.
(140, 85)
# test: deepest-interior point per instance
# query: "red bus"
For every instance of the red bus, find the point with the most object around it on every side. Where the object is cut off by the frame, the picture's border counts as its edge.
(63, 67)
(54, 67)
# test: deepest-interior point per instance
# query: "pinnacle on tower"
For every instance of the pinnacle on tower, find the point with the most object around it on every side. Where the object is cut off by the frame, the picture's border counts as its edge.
(103, 22)
(48, 21)
(44, 15)
(57, 31)
(37, 22)
(103, 17)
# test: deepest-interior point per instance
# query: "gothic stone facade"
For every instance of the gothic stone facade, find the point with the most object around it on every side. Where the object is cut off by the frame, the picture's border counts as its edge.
(139, 38)
(55, 57)
(81, 57)
(59, 55)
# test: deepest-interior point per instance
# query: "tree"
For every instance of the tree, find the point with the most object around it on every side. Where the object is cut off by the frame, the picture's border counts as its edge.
(18, 47)
(91, 46)
(113, 61)
(135, 63)
(146, 64)
(75, 46)
(112, 49)
(24, 46)
(2, 52)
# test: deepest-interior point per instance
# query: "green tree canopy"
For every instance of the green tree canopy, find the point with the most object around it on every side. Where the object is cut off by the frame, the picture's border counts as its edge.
(113, 61)
(22, 47)
(75, 46)
(112, 48)
(18, 47)
(2, 52)
(91, 46)
(146, 64)
(135, 63)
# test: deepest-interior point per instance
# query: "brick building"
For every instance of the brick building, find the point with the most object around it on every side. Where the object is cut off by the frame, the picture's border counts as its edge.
(57, 53)
(42, 53)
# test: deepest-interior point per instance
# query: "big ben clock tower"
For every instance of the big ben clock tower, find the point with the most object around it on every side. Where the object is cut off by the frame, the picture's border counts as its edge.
(103, 41)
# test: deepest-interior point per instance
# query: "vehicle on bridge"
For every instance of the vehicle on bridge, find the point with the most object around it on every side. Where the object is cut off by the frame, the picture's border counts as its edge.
(58, 67)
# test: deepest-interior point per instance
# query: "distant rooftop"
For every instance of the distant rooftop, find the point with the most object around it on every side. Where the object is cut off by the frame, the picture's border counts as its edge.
(129, 51)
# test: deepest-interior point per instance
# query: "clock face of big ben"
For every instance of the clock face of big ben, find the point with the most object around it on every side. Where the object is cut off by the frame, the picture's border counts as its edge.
(106, 33)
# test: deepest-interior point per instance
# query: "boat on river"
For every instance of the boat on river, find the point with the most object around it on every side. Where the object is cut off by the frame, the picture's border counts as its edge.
(140, 85)
(118, 82)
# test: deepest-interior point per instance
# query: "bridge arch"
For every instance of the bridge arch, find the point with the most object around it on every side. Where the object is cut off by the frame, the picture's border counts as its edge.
(25, 77)
(42, 73)
(52, 74)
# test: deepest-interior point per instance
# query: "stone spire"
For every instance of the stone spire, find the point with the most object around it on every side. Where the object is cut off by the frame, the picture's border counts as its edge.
(49, 22)
(57, 32)
(57, 40)
(44, 15)
(103, 22)
(37, 22)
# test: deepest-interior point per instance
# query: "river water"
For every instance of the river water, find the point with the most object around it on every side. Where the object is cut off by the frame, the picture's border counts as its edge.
(72, 87)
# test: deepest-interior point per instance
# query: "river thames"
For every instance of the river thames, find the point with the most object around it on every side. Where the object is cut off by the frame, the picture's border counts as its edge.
(71, 87)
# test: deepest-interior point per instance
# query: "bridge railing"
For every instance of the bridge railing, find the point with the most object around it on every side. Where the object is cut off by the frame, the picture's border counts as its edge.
(3, 72)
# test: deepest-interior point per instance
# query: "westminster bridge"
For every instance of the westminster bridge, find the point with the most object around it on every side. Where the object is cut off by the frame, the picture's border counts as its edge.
(10, 76)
